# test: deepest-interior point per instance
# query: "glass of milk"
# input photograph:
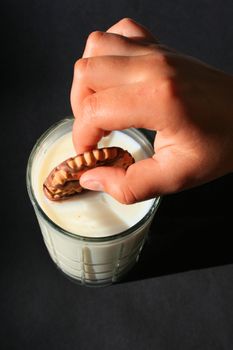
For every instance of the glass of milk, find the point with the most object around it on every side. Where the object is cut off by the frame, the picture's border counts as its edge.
(91, 237)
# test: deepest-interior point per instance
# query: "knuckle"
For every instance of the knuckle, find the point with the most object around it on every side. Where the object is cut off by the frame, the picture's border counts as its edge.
(126, 21)
(158, 65)
(159, 58)
(93, 41)
(163, 58)
(80, 67)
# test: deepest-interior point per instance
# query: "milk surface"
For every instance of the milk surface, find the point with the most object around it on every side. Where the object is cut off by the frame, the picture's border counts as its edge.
(90, 252)
(90, 214)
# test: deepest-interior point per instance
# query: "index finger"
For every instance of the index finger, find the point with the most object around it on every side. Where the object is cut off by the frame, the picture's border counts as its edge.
(117, 109)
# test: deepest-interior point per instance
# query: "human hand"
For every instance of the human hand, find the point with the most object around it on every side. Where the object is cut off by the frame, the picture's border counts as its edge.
(127, 79)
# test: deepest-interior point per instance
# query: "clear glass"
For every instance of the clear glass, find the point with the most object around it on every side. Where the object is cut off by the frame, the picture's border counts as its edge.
(91, 261)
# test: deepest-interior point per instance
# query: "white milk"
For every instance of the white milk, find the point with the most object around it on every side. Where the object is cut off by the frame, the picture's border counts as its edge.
(91, 248)
(91, 214)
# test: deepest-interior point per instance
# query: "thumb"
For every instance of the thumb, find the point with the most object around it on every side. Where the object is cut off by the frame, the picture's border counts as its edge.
(142, 180)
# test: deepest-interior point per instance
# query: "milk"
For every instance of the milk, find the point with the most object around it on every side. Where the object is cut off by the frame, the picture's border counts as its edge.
(91, 237)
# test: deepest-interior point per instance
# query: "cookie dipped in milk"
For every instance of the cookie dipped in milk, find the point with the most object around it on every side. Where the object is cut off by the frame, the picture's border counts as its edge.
(91, 237)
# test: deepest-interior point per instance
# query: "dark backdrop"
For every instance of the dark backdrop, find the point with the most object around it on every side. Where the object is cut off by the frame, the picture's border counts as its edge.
(178, 296)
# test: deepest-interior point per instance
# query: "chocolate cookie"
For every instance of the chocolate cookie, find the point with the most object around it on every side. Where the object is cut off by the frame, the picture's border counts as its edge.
(63, 180)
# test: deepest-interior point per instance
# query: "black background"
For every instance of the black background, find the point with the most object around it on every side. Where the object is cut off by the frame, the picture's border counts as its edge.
(179, 295)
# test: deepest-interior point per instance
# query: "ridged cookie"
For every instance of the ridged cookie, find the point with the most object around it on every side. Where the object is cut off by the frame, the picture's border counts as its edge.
(63, 180)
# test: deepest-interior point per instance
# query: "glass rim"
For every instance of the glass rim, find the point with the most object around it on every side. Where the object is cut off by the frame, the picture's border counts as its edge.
(127, 232)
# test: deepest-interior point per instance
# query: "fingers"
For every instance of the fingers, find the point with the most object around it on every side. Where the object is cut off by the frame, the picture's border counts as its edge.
(131, 29)
(116, 109)
(102, 43)
(99, 73)
(124, 38)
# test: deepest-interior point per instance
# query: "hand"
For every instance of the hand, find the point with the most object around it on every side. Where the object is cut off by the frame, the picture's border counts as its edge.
(127, 79)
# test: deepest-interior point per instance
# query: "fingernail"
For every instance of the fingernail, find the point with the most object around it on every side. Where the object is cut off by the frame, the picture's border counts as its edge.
(92, 185)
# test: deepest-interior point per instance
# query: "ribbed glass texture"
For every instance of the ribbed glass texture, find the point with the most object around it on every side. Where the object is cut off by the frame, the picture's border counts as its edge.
(91, 261)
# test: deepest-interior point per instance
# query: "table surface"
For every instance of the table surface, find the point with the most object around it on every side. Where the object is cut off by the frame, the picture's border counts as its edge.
(179, 295)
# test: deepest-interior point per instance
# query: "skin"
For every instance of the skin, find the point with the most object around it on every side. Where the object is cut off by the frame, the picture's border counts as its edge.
(126, 78)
